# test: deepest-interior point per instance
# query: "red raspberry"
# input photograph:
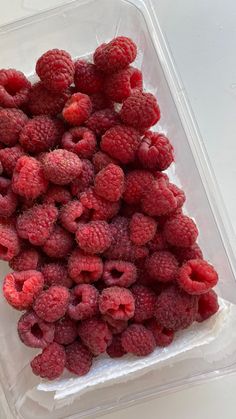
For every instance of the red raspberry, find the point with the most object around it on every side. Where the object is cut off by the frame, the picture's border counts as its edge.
(88, 79)
(207, 305)
(8, 200)
(136, 184)
(50, 363)
(28, 178)
(34, 332)
(84, 268)
(102, 120)
(121, 143)
(70, 215)
(197, 277)
(183, 254)
(158, 242)
(142, 228)
(27, 259)
(12, 122)
(115, 55)
(9, 157)
(50, 305)
(40, 134)
(36, 224)
(163, 337)
(84, 180)
(100, 208)
(115, 326)
(59, 243)
(158, 200)
(119, 272)
(56, 70)
(78, 359)
(81, 141)
(100, 101)
(65, 331)
(94, 237)
(109, 183)
(57, 195)
(140, 110)
(100, 161)
(119, 86)
(180, 231)
(77, 109)
(178, 194)
(21, 288)
(175, 309)
(55, 273)
(138, 340)
(155, 151)
(14, 88)
(9, 242)
(162, 266)
(145, 300)
(43, 102)
(61, 166)
(117, 302)
(95, 334)
(83, 302)
(115, 349)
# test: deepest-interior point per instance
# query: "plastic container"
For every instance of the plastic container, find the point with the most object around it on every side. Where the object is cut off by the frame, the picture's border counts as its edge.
(79, 27)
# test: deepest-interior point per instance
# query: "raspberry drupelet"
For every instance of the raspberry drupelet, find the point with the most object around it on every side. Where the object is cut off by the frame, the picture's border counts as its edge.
(145, 300)
(94, 237)
(162, 266)
(180, 231)
(121, 143)
(136, 184)
(109, 183)
(142, 228)
(138, 340)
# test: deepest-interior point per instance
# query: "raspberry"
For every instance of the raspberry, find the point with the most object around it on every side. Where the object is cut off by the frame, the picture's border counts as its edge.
(109, 183)
(120, 85)
(178, 194)
(175, 309)
(8, 200)
(180, 231)
(136, 184)
(100, 101)
(128, 210)
(36, 224)
(121, 143)
(88, 79)
(120, 273)
(43, 102)
(145, 300)
(28, 178)
(27, 259)
(21, 288)
(158, 200)
(78, 359)
(65, 331)
(115, 349)
(183, 254)
(84, 180)
(117, 302)
(142, 228)
(100, 208)
(115, 55)
(56, 70)
(157, 243)
(57, 195)
(95, 334)
(34, 332)
(162, 266)
(50, 363)
(207, 305)
(94, 237)
(140, 110)
(155, 151)
(138, 340)
(9, 157)
(9, 242)
(197, 277)
(102, 120)
(40, 134)
(50, 305)
(70, 215)
(84, 268)
(59, 243)
(115, 326)
(163, 337)
(55, 273)
(83, 302)
(81, 141)
(77, 109)
(61, 166)
(14, 88)
(100, 160)
(12, 122)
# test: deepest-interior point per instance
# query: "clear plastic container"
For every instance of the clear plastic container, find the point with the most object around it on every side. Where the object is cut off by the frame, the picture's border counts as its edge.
(79, 27)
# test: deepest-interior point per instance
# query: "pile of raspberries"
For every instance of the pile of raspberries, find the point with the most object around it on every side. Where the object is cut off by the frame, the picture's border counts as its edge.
(102, 257)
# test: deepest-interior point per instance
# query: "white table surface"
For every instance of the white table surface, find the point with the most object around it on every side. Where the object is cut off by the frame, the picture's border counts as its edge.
(202, 37)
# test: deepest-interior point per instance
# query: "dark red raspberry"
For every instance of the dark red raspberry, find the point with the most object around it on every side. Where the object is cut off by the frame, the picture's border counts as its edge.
(158, 242)
(115, 326)
(34, 332)
(14, 88)
(81, 141)
(1, 167)
(145, 300)
(12, 122)
(101, 121)
(70, 215)
(40, 134)
(57, 195)
(197, 277)
(56, 70)
(100, 101)
(84, 180)
(88, 79)
(115, 55)
(8, 200)
(180, 231)
(100, 160)
(84, 268)
(55, 273)
(109, 183)
(142, 228)
(100, 208)
(162, 266)
(44, 102)
(115, 349)
(207, 305)
(27, 259)
(77, 109)
(178, 194)
(83, 302)
(183, 254)
(61, 166)
(21, 288)
(136, 184)
(163, 337)
(95, 334)
(117, 302)
(28, 178)
(50, 305)
(65, 331)
(119, 86)
(59, 243)
(119, 272)
(121, 143)
(36, 224)
(175, 309)
(155, 151)
(9, 157)
(50, 363)
(94, 237)
(158, 200)
(138, 340)
(140, 110)
(78, 358)
(9, 242)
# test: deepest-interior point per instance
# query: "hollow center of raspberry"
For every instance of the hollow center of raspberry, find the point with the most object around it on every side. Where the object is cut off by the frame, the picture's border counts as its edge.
(116, 274)
(3, 250)
(19, 286)
(76, 300)
(3, 192)
(11, 88)
(197, 277)
(36, 331)
(76, 139)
